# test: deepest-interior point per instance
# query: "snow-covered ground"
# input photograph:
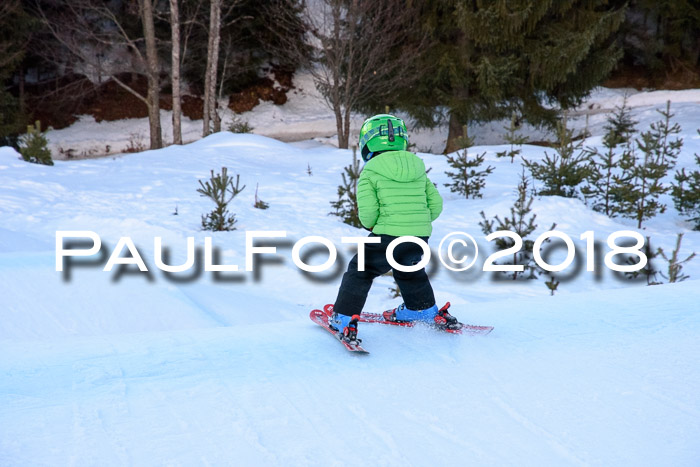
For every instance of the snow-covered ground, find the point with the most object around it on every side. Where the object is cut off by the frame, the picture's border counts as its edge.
(604, 379)
(102, 368)
(306, 116)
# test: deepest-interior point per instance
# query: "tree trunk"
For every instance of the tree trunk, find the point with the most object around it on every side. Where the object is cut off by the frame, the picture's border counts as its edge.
(346, 131)
(152, 65)
(215, 69)
(207, 76)
(175, 58)
(216, 118)
(210, 113)
(455, 131)
(342, 138)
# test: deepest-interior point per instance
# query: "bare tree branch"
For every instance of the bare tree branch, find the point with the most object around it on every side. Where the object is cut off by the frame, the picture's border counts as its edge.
(130, 89)
(355, 50)
(88, 30)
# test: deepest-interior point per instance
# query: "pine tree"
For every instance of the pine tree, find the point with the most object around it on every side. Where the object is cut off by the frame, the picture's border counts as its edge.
(239, 125)
(562, 172)
(15, 28)
(621, 192)
(221, 190)
(675, 267)
(640, 194)
(646, 187)
(661, 36)
(604, 174)
(513, 139)
(521, 223)
(620, 126)
(488, 59)
(666, 150)
(467, 180)
(34, 146)
(686, 193)
(346, 205)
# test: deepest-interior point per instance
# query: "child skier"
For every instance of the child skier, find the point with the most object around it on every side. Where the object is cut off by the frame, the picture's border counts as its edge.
(395, 198)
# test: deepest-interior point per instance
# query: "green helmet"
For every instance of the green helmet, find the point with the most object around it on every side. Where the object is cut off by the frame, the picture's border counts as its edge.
(382, 132)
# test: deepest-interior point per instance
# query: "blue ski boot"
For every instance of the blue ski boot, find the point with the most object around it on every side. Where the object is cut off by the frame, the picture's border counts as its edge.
(401, 313)
(440, 318)
(347, 326)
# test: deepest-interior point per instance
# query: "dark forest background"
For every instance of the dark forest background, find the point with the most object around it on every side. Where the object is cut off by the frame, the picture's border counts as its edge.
(442, 61)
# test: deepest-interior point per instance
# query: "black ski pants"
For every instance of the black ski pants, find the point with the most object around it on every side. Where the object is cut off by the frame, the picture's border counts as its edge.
(415, 287)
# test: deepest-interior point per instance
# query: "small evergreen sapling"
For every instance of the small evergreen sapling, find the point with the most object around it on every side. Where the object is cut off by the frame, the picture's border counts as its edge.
(667, 147)
(521, 223)
(604, 177)
(467, 180)
(620, 126)
(686, 193)
(221, 190)
(238, 125)
(675, 267)
(513, 139)
(259, 204)
(641, 195)
(33, 146)
(552, 285)
(346, 205)
(562, 172)
(622, 181)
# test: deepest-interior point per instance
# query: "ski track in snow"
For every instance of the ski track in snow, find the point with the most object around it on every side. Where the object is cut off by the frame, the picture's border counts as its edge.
(254, 394)
(125, 370)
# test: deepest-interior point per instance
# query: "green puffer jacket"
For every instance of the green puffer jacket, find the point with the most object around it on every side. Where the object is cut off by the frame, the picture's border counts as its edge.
(395, 196)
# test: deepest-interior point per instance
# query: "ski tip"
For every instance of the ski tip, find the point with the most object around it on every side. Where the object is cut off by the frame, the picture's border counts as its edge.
(316, 313)
(474, 330)
(356, 350)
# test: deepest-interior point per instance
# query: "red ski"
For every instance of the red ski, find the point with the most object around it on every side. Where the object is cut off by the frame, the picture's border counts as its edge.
(365, 317)
(321, 318)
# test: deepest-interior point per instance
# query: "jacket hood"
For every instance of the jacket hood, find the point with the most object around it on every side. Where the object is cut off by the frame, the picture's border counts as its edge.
(402, 166)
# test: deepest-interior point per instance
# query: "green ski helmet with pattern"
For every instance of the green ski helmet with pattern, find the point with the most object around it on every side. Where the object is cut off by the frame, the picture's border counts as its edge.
(382, 132)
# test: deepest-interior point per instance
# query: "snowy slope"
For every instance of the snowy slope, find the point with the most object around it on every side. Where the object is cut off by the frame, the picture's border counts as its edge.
(136, 196)
(110, 369)
(610, 379)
